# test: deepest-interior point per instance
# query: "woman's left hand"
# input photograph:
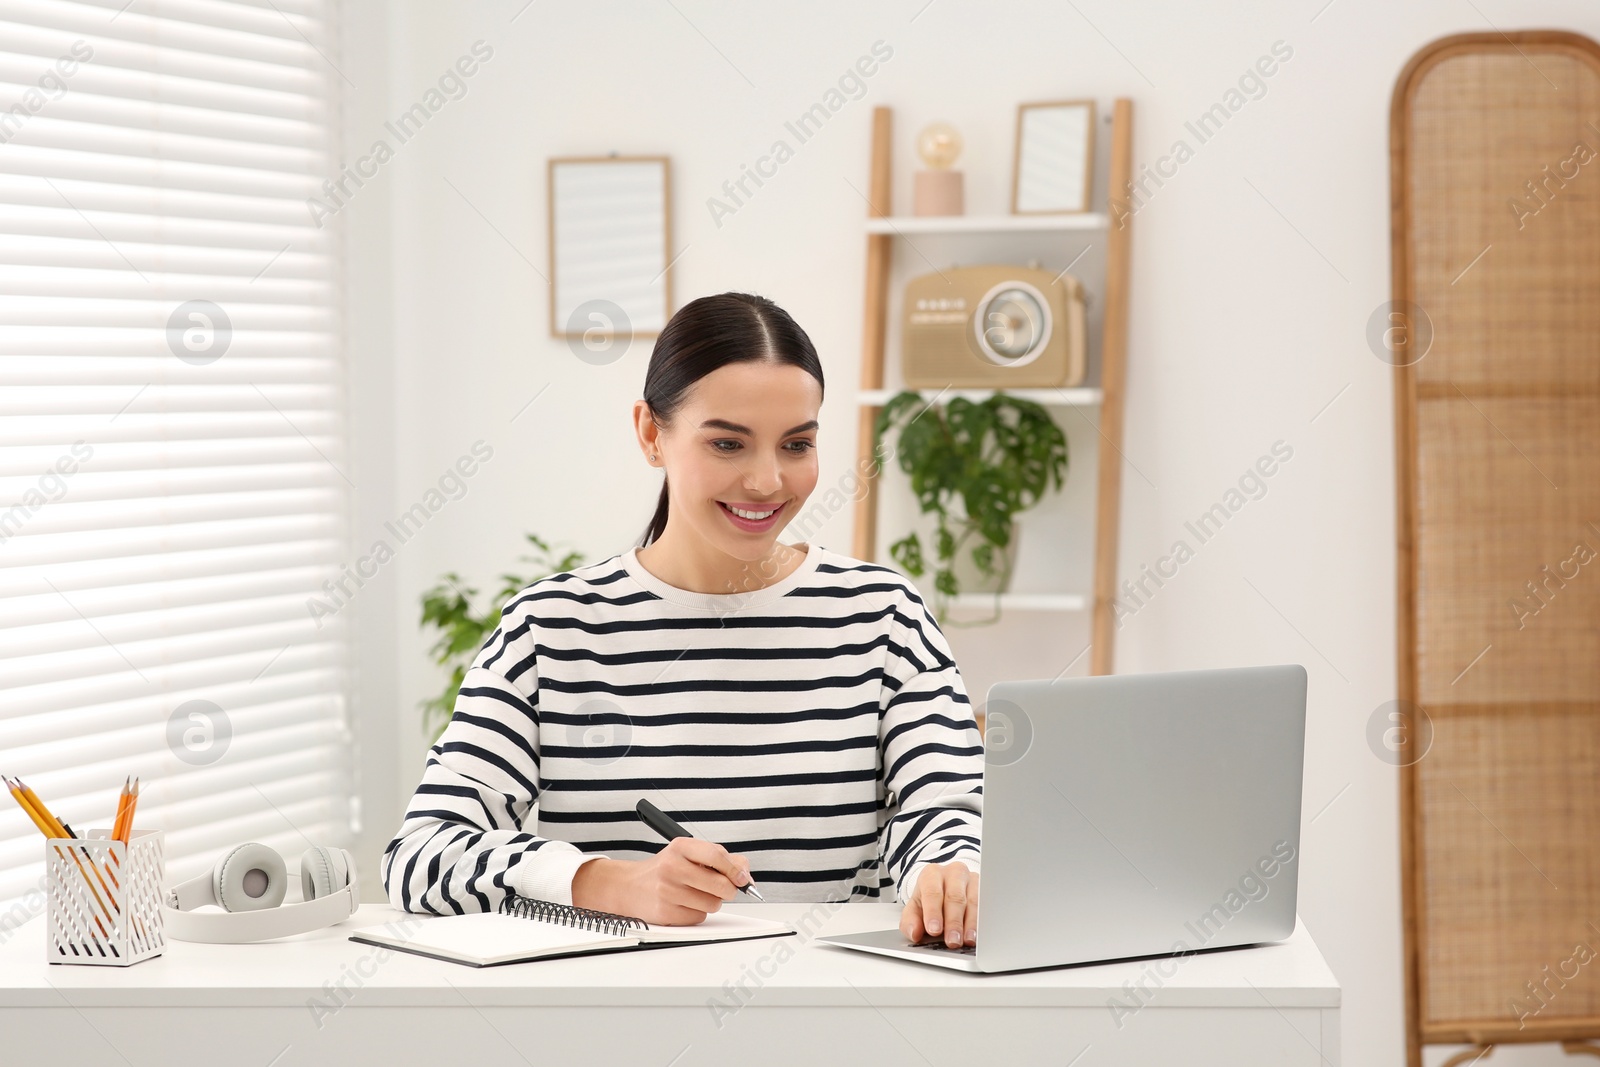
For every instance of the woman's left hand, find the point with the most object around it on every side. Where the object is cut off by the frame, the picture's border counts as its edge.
(945, 901)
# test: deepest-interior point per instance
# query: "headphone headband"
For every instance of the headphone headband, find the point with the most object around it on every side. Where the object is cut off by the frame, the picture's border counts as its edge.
(237, 928)
(248, 882)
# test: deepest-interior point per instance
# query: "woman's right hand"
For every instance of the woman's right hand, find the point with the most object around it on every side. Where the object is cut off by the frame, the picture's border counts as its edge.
(678, 886)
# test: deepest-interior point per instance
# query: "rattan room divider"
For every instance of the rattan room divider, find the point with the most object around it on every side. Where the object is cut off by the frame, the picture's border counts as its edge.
(1494, 331)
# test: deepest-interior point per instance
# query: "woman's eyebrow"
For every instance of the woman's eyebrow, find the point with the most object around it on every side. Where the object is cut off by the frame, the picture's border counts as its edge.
(724, 424)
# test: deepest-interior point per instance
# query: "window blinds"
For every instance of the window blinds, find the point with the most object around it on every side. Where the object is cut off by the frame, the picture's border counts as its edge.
(172, 460)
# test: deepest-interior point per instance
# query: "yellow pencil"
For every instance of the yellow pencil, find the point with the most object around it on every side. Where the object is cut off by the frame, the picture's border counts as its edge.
(44, 827)
(56, 829)
(51, 828)
(60, 830)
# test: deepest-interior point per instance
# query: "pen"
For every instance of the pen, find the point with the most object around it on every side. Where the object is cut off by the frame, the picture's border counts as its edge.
(667, 827)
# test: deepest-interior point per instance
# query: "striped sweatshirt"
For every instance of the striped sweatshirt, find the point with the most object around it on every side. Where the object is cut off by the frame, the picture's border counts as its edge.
(818, 726)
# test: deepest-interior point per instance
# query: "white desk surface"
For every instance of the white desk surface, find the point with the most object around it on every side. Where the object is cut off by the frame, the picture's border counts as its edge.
(284, 973)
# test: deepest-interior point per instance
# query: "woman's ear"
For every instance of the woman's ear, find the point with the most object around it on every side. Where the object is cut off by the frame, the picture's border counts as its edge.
(649, 433)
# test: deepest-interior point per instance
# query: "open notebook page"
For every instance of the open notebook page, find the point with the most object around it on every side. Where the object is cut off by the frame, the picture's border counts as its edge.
(487, 938)
(490, 937)
(718, 926)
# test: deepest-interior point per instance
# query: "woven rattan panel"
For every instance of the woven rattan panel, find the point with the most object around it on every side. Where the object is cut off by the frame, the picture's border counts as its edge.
(1500, 442)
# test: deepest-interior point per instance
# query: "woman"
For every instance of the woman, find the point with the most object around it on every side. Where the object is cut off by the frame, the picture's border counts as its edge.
(799, 711)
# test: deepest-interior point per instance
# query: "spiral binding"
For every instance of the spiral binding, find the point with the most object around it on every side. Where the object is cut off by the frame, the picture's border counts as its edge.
(605, 922)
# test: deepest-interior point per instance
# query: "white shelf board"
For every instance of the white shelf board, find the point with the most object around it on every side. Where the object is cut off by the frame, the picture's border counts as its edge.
(1022, 601)
(904, 224)
(1080, 397)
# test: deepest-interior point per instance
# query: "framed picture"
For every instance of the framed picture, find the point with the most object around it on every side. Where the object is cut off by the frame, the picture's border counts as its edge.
(610, 231)
(1053, 169)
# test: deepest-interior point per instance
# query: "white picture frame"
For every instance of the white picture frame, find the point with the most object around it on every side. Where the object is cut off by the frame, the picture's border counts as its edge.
(610, 233)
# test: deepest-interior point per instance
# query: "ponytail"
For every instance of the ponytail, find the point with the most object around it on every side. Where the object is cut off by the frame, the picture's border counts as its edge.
(659, 523)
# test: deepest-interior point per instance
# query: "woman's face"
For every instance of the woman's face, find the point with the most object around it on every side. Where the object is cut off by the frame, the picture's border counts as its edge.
(745, 438)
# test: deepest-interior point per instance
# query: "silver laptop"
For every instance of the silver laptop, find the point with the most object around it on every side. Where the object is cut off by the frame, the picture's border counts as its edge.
(1132, 815)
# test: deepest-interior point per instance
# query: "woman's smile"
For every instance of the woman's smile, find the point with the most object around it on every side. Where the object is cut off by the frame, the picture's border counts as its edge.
(750, 525)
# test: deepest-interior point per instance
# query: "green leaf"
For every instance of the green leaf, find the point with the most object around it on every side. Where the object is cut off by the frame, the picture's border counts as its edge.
(976, 465)
(908, 553)
(460, 631)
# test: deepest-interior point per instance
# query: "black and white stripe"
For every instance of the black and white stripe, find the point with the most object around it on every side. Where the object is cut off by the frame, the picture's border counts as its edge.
(819, 726)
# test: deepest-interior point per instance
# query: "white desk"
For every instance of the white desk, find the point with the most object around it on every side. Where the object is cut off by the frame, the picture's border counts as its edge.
(256, 1005)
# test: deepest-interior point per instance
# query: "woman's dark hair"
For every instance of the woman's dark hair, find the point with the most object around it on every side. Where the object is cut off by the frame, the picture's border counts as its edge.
(709, 333)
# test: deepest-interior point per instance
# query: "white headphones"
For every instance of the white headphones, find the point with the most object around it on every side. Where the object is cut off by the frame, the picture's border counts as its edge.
(248, 883)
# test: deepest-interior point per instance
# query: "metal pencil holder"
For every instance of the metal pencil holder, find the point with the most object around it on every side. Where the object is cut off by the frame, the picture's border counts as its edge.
(105, 898)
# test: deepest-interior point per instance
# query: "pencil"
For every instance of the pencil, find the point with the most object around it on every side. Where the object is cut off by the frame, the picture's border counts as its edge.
(51, 828)
(122, 828)
(127, 820)
(44, 828)
(61, 830)
(122, 808)
(32, 798)
(122, 814)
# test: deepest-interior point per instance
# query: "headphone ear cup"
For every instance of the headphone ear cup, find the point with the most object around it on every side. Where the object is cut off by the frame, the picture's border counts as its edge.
(250, 877)
(323, 871)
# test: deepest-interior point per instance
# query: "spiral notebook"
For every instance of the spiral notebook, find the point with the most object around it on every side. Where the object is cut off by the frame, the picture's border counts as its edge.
(526, 929)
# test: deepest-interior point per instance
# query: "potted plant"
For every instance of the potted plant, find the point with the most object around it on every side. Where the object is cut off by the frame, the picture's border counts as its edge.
(996, 457)
(462, 631)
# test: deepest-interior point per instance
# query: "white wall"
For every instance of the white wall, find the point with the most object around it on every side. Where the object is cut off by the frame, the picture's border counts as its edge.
(1255, 269)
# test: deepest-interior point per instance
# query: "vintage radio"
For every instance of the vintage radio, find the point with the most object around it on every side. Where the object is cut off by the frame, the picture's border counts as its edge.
(993, 326)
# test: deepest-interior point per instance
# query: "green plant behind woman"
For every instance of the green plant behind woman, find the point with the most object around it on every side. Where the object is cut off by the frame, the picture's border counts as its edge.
(462, 631)
(975, 465)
